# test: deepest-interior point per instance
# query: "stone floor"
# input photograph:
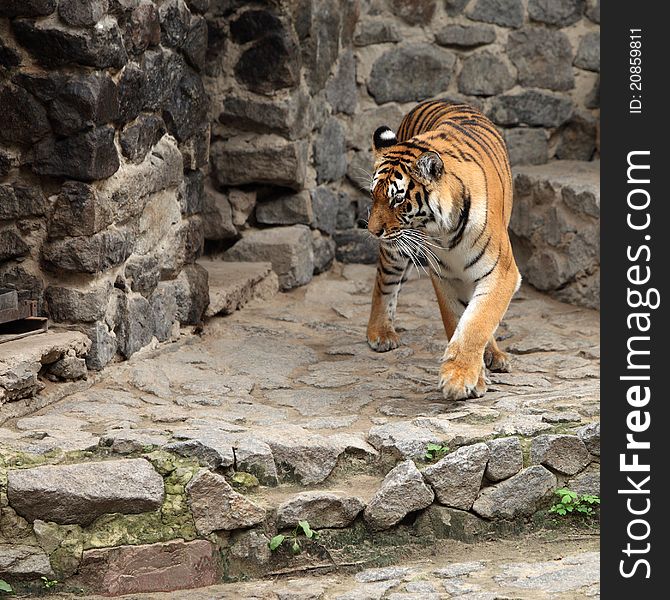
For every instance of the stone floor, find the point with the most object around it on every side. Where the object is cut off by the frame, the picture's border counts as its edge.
(298, 365)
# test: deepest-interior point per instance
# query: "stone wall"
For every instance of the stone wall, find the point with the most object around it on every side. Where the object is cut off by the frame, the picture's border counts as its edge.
(298, 87)
(103, 142)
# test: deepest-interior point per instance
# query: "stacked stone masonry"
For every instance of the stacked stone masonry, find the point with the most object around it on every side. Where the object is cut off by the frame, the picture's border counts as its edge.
(104, 146)
(297, 88)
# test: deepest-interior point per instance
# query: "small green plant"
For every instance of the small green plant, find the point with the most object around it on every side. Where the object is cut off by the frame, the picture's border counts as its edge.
(573, 503)
(5, 588)
(292, 539)
(48, 583)
(435, 451)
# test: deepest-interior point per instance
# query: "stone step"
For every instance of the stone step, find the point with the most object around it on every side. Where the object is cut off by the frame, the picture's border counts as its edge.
(556, 229)
(233, 284)
(58, 355)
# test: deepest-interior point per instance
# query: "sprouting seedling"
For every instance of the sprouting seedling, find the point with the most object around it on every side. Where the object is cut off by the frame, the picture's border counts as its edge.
(435, 451)
(572, 503)
(292, 539)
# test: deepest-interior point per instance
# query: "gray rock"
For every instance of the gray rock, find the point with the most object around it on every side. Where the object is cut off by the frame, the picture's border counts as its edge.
(356, 246)
(508, 13)
(465, 36)
(570, 575)
(325, 206)
(78, 210)
(19, 200)
(286, 116)
(308, 457)
(505, 459)
(20, 561)
(85, 156)
(135, 324)
(414, 12)
(234, 284)
(588, 53)
(341, 91)
(289, 249)
(543, 58)
(82, 12)
(527, 146)
(565, 243)
(81, 493)
(444, 523)
(457, 477)
(138, 137)
(78, 305)
(404, 440)
(403, 491)
(586, 482)
(164, 308)
(271, 63)
(191, 293)
(127, 441)
(531, 107)
(593, 10)
(11, 244)
(242, 204)
(103, 345)
(268, 160)
(255, 457)
(143, 28)
(384, 574)
(84, 101)
(175, 18)
(27, 8)
(556, 12)
(185, 110)
(565, 453)
(286, 210)
(578, 138)
(324, 252)
(459, 569)
(518, 496)
(319, 509)
(69, 368)
(218, 216)
(211, 447)
(426, 72)
(375, 31)
(484, 74)
(142, 274)
(216, 506)
(55, 46)
(590, 435)
(330, 156)
(99, 252)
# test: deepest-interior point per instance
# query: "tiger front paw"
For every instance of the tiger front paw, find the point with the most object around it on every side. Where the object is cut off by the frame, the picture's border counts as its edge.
(460, 380)
(383, 339)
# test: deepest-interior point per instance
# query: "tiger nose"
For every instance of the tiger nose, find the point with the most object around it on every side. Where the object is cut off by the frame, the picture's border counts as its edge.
(376, 230)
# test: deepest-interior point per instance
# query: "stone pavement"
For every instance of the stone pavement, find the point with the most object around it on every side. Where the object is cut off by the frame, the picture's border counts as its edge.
(534, 568)
(286, 393)
(299, 365)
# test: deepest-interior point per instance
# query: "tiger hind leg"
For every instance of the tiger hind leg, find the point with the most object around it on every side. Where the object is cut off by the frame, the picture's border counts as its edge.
(391, 269)
(495, 359)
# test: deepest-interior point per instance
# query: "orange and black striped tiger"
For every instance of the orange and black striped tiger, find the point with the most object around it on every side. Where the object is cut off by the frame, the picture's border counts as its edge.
(442, 195)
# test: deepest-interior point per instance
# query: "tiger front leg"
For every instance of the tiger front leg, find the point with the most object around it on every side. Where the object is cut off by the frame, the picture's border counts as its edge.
(381, 333)
(463, 372)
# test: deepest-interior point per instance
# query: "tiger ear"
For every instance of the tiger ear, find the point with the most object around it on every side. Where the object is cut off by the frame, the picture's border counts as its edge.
(383, 138)
(429, 166)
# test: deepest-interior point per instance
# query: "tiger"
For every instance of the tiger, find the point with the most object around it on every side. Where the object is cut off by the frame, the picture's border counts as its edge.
(442, 199)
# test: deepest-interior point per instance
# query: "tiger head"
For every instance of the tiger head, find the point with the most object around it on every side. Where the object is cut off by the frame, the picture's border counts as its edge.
(404, 177)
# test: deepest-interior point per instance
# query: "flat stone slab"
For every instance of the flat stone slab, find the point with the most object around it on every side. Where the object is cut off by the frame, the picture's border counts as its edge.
(233, 284)
(167, 566)
(80, 493)
(21, 361)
